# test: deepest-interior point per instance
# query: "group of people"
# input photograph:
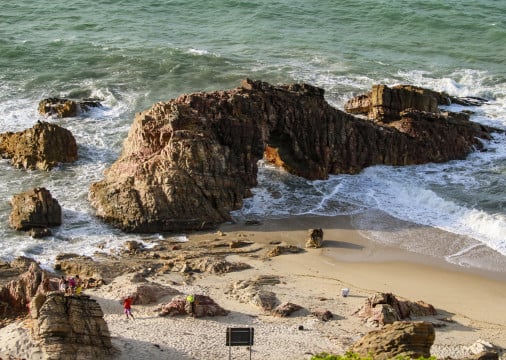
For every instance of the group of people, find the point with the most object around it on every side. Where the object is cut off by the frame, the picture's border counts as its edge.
(71, 285)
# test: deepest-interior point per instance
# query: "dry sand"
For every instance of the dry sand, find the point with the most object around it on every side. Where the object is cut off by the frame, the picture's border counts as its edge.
(470, 305)
(473, 303)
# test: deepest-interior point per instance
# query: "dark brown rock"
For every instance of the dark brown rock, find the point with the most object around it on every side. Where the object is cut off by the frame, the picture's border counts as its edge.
(409, 339)
(62, 108)
(285, 309)
(34, 209)
(188, 162)
(323, 315)
(43, 147)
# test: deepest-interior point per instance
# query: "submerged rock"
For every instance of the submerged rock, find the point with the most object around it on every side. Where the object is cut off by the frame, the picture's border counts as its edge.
(188, 162)
(65, 107)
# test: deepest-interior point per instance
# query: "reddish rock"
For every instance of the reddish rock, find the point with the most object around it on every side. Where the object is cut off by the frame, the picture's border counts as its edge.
(285, 309)
(385, 308)
(188, 162)
(202, 306)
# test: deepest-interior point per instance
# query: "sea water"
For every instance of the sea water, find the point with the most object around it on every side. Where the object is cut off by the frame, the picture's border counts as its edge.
(131, 54)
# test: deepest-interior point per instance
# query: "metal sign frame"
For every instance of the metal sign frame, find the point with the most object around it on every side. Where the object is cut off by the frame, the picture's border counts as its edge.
(239, 337)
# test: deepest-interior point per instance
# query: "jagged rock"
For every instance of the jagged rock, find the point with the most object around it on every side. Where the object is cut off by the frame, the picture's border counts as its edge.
(34, 208)
(385, 308)
(43, 147)
(483, 350)
(314, 238)
(65, 107)
(71, 328)
(410, 339)
(16, 295)
(203, 306)
(285, 309)
(188, 162)
(323, 315)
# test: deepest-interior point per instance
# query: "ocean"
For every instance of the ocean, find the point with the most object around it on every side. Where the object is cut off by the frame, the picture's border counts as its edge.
(131, 54)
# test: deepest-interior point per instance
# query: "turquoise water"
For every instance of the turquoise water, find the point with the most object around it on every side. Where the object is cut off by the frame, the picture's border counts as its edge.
(131, 54)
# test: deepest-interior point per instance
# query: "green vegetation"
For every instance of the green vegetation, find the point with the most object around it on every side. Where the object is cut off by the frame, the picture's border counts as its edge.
(353, 356)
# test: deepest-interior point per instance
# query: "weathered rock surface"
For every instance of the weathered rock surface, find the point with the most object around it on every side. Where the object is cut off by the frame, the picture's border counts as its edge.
(410, 339)
(254, 291)
(203, 306)
(285, 309)
(65, 107)
(314, 238)
(188, 162)
(323, 315)
(70, 327)
(43, 147)
(16, 295)
(385, 308)
(35, 210)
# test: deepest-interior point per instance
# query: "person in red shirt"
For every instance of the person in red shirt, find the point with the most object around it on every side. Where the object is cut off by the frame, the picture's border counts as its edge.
(127, 305)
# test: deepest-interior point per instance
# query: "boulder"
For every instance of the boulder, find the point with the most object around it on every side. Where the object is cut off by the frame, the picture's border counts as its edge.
(385, 308)
(62, 108)
(323, 315)
(285, 309)
(253, 291)
(409, 339)
(314, 238)
(187, 163)
(202, 306)
(35, 210)
(42, 147)
(70, 327)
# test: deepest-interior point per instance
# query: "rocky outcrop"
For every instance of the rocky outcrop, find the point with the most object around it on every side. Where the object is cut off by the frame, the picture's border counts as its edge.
(16, 295)
(254, 291)
(384, 104)
(409, 339)
(188, 162)
(43, 147)
(35, 210)
(70, 327)
(314, 238)
(202, 306)
(285, 309)
(62, 108)
(385, 308)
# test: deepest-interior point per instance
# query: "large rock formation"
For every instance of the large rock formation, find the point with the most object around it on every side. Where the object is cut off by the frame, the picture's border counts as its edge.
(42, 147)
(70, 327)
(34, 208)
(188, 162)
(409, 339)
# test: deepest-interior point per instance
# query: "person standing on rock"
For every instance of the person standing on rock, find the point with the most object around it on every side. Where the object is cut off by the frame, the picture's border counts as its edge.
(62, 284)
(79, 285)
(127, 306)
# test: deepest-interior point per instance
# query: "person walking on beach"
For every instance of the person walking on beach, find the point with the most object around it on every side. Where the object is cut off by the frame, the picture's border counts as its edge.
(127, 306)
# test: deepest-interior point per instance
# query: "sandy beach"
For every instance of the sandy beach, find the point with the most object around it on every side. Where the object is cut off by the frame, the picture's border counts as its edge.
(470, 306)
